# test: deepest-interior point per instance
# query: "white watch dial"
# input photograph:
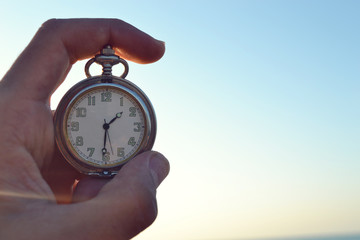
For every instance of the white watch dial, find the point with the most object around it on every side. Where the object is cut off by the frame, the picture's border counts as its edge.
(105, 126)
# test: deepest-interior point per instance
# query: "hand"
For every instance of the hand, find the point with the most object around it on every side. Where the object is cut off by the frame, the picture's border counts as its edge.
(118, 115)
(34, 178)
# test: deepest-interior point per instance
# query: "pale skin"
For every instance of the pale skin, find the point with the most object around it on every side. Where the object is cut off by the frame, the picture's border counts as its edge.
(36, 198)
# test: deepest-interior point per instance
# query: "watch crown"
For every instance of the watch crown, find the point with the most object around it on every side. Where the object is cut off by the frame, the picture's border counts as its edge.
(107, 50)
(107, 58)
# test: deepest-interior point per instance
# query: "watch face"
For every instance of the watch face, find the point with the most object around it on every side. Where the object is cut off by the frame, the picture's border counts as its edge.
(102, 126)
(105, 126)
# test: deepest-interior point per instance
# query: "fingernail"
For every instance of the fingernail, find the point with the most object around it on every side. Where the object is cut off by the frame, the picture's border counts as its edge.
(159, 167)
(161, 43)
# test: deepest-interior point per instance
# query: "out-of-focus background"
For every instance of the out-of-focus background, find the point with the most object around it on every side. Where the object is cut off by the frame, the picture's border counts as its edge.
(257, 105)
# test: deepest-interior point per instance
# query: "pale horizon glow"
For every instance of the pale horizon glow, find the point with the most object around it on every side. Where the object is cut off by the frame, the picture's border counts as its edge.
(257, 105)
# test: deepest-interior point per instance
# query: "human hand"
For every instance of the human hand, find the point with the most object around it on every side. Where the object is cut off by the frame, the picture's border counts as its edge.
(34, 178)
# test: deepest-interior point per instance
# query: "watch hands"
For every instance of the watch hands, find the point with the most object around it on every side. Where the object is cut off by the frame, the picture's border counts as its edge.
(106, 127)
(118, 115)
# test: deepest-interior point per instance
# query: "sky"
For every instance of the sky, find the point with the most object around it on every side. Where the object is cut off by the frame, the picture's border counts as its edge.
(257, 105)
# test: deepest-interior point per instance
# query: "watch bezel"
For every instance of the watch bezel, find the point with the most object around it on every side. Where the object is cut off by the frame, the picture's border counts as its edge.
(91, 83)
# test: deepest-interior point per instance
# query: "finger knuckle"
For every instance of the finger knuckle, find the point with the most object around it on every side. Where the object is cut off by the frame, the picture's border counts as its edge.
(51, 23)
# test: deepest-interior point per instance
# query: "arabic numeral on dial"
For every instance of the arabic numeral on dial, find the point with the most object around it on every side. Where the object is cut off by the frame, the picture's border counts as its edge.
(120, 152)
(91, 150)
(75, 126)
(131, 141)
(91, 100)
(138, 126)
(106, 157)
(106, 97)
(80, 112)
(79, 141)
(132, 112)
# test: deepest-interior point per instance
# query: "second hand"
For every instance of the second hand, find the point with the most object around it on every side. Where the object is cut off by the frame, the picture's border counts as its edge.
(108, 135)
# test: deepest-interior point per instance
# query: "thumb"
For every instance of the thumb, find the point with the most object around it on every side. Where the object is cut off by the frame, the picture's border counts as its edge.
(127, 203)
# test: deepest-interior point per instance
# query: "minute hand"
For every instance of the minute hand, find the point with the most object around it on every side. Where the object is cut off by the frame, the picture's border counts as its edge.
(106, 127)
(118, 115)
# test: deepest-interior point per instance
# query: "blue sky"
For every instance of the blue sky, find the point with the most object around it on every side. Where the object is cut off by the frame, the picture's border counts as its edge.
(257, 105)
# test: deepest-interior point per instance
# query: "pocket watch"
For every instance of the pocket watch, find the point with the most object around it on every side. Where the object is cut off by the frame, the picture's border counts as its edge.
(104, 121)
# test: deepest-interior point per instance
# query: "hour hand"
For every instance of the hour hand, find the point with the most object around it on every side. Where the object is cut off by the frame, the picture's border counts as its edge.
(118, 115)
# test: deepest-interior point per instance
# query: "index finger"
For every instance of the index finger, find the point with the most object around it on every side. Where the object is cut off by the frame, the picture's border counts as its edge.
(58, 44)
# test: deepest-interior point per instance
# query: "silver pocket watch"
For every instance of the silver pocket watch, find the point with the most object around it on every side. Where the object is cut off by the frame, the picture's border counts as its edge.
(104, 121)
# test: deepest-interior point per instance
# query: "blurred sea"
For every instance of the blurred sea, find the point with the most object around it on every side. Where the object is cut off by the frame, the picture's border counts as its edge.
(333, 237)
(328, 237)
